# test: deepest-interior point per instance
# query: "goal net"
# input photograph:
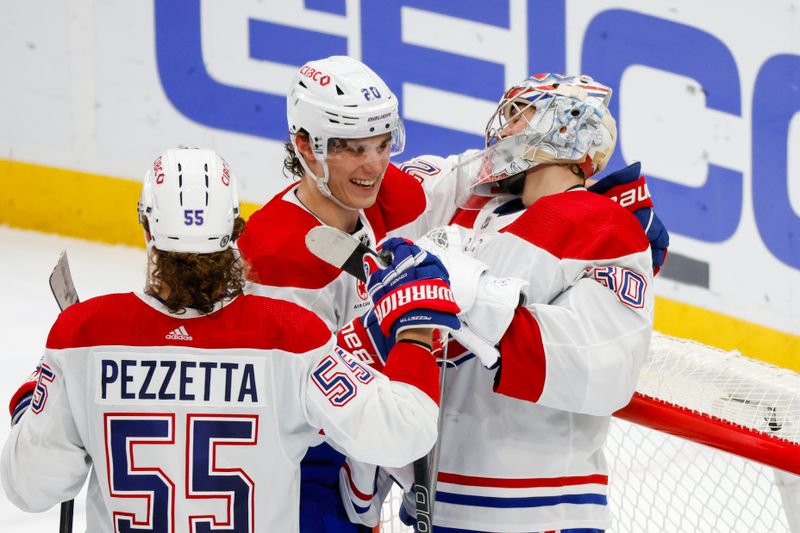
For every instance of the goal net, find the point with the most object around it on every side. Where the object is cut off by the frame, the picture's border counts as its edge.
(710, 442)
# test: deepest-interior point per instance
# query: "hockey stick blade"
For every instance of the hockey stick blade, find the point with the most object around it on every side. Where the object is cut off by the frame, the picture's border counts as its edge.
(65, 294)
(341, 250)
(61, 283)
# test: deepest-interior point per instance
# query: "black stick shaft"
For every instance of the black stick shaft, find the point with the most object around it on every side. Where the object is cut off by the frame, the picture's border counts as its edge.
(65, 525)
(422, 495)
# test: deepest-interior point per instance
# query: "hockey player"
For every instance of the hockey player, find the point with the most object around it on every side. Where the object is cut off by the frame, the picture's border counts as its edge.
(529, 399)
(192, 404)
(344, 124)
(336, 109)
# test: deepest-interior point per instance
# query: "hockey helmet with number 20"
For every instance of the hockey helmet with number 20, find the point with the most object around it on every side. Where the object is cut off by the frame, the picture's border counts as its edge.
(190, 202)
(340, 98)
(571, 124)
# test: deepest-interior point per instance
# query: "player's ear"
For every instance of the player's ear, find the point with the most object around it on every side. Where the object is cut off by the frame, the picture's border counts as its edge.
(304, 146)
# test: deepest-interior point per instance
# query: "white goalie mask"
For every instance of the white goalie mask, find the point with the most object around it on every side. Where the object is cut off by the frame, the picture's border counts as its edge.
(547, 119)
(339, 98)
(190, 202)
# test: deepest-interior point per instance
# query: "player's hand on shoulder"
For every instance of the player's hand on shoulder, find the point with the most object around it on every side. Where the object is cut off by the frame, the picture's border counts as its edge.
(628, 188)
(413, 291)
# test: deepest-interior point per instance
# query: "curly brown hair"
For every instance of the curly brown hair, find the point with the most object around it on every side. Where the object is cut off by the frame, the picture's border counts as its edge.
(292, 168)
(196, 281)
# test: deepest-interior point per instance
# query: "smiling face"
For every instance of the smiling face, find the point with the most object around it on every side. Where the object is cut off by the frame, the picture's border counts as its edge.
(356, 168)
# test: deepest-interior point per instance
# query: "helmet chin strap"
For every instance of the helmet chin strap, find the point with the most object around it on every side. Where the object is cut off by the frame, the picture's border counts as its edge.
(322, 183)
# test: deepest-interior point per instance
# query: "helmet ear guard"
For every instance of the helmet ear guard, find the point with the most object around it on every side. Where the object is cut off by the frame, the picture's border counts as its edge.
(189, 202)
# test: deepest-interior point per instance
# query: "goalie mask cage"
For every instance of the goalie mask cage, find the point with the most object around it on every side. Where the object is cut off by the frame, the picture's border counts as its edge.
(710, 442)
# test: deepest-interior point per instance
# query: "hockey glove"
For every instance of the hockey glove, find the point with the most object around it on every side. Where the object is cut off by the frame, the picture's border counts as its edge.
(412, 292)
(485, 322)
(363, 337)
(628, 188)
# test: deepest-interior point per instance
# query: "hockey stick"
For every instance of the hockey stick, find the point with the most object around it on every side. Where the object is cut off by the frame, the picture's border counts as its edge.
(65, 295)
(347, 253)
(342, 250)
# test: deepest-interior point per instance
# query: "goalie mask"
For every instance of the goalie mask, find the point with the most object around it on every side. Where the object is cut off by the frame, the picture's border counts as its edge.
(546, 119)
(336, 99)
(190, 202)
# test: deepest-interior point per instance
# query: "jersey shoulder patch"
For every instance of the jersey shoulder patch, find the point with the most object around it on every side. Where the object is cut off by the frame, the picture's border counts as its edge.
(274, 246)
(580, 225)
(423, 167)
(401, 201)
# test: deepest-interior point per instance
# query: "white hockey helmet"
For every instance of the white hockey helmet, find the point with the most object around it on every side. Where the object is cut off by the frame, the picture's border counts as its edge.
(340, 98)
(190, 201)
(571, 125)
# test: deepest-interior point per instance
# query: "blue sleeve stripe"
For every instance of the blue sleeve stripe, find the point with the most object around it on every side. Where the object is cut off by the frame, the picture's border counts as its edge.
(20, 408)
(537, 501)
(359, 509)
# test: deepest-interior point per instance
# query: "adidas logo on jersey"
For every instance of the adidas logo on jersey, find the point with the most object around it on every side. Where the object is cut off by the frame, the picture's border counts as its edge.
(179, 334)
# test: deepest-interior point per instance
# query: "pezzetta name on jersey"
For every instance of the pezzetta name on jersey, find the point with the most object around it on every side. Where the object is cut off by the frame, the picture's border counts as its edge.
(195, 379)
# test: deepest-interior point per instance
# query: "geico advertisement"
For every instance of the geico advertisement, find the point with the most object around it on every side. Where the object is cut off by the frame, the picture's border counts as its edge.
(706, 95)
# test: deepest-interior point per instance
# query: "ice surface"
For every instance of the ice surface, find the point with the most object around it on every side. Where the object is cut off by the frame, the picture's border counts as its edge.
(27, 312)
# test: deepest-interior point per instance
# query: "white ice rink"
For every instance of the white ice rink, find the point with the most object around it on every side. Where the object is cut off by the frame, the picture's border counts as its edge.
(27, 312)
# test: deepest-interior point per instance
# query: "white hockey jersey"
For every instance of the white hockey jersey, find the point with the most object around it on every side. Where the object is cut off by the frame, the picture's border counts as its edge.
(281, 266)
(190, 422)
(521, 445)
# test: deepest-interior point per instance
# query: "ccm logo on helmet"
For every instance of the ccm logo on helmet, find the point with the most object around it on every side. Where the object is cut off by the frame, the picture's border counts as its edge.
(316, 75)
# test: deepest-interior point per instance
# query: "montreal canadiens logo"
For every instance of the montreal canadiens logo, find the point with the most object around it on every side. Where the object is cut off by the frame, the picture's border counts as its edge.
(361, 289)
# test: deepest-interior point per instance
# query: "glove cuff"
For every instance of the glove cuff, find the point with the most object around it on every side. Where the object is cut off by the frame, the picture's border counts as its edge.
(425, 318)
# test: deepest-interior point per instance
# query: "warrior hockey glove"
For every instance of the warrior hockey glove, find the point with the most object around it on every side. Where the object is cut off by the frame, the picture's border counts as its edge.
(628, 188)
(412, 292)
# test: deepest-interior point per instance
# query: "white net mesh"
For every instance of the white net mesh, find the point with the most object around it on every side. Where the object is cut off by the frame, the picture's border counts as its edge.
(660, 482)
(724, 385)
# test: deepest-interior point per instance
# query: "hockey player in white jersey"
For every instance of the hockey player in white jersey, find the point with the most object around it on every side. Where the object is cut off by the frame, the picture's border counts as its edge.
(529, 399)
(189, 406)
(344, 124)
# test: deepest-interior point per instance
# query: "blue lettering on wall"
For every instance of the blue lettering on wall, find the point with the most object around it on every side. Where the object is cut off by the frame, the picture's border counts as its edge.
(397, 62)
(198, 96)
(336, 7)
(268, 41)
(776, 99)
(618, 39)
(191, 89)
(614, 41)
(547, 35)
